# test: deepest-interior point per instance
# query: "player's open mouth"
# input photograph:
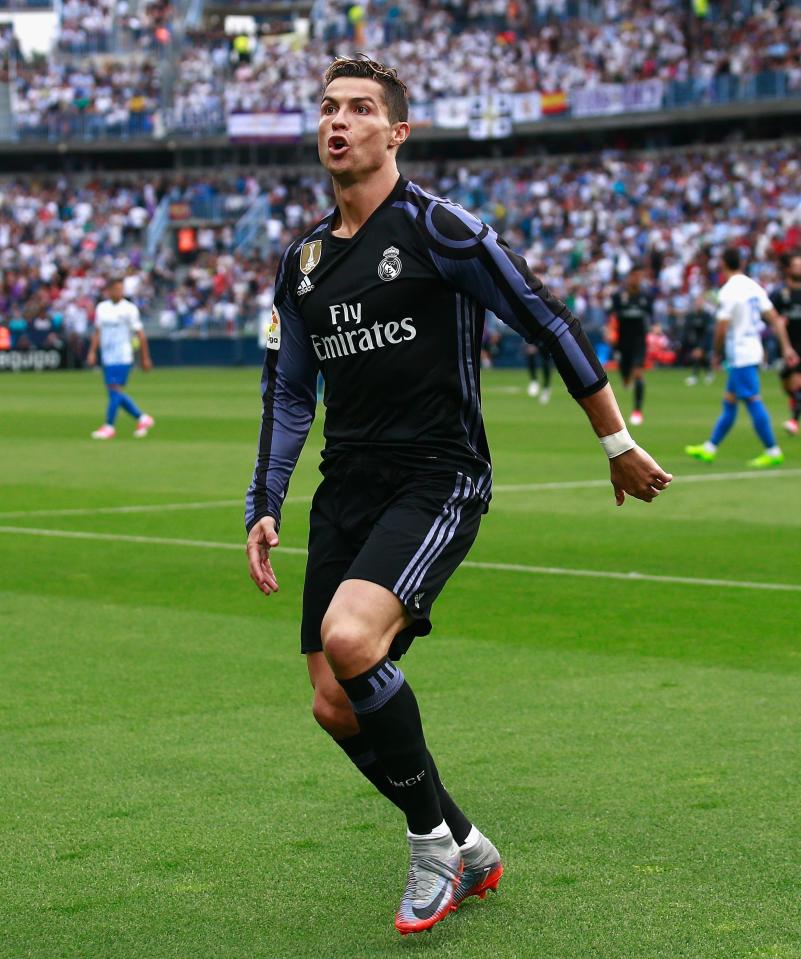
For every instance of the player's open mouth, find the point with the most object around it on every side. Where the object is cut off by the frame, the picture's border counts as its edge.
(337, 146)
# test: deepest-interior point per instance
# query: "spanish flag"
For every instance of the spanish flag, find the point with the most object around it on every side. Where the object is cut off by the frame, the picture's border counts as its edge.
(554, 102)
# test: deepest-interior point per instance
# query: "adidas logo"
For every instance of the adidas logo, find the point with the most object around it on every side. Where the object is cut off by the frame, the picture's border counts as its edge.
(417, 598)
(305, 286)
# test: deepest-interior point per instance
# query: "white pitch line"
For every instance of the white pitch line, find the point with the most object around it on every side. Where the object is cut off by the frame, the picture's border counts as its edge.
(678, 480)
(128, 538)
(108, 510)
(631, 577)
(138, 508)
(500, 488)
(634, 577)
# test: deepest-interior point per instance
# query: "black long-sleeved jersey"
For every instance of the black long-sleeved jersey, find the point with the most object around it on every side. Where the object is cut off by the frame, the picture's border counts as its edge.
(697, 328)
(393, 317)
(635, 314)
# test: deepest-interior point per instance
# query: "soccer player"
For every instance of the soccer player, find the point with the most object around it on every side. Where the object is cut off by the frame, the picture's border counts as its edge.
(539, 359)
(117, 321)
(787, 303)
(742, 304)
(387, 295)
(632, 311)
(697, 340)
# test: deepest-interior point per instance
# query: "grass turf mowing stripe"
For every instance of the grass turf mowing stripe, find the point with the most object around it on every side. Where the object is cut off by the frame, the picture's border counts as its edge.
(501, 488)
(632, 576)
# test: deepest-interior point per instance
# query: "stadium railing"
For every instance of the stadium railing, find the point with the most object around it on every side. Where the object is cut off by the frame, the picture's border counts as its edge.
(251, 224)
(195, 123)
(157, 227)
(210, 122)
(87, 126)
(726, 88)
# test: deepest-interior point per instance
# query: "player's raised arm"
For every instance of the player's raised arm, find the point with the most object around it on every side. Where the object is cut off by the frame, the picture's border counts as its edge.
(288, 387)
(472, 257)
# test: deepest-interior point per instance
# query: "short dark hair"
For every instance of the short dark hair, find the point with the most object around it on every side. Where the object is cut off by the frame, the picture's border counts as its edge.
(396, 96)
(732, 258)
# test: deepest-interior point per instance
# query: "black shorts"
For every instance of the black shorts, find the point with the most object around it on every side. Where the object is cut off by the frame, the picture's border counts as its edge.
(401, 528)
(632, 355)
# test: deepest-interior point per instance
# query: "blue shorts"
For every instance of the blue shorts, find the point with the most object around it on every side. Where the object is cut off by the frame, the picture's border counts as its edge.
(743, 381)
(117, 374)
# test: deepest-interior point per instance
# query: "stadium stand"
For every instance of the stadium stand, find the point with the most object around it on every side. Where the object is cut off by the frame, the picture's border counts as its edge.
(580, 221)
(164, 83)
(656, 52)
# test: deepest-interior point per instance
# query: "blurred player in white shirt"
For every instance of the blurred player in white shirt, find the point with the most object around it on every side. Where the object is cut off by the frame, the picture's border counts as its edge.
(742, 306)
(116, 322)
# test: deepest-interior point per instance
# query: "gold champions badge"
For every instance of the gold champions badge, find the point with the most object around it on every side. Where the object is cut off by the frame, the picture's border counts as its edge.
(310, 256)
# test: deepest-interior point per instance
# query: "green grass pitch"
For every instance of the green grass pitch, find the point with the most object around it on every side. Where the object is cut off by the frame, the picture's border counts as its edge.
(633, 746)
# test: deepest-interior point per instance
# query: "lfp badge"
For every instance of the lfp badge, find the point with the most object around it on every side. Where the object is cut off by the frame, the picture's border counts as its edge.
(274, 331)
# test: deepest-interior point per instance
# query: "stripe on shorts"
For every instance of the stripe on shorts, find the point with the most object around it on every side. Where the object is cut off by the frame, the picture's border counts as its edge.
(437, 538)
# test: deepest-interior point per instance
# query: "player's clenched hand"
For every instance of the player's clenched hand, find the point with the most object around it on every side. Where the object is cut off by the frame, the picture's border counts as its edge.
(638, 474)
(791, 358)
(261, 540)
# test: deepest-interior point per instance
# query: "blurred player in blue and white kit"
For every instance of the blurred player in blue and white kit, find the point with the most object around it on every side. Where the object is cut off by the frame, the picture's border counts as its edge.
(117, 321)
(742, 306)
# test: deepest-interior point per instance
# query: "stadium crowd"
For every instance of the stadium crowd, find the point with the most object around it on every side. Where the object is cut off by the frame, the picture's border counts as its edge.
(61, 241)
(580, 222)
(107, 26)
(447, 52)
(90, 98)
(447, 47)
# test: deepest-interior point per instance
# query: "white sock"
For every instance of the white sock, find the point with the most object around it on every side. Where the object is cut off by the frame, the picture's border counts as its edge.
(472, 839)
(438, 832)
(710, 447)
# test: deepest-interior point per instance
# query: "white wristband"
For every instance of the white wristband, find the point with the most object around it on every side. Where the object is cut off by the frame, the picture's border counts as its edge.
(617, 443)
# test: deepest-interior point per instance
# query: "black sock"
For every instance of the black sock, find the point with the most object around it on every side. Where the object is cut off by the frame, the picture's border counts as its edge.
(363, 757)
(389, 718)
(639, 394)
(365, 760)
(797, 404)
(458, 823)
(531, 363)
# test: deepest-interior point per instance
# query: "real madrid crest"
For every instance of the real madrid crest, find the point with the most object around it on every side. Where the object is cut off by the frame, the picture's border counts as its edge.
(391, 265)
(310, 256)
